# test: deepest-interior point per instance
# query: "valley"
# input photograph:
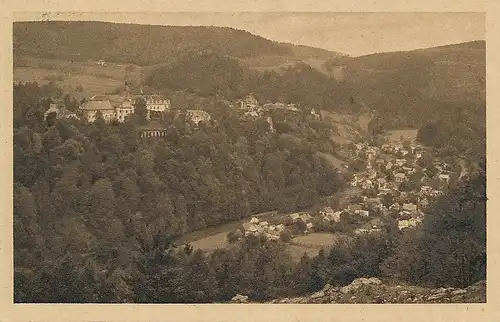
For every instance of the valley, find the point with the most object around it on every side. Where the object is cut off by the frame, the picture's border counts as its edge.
(168, 164)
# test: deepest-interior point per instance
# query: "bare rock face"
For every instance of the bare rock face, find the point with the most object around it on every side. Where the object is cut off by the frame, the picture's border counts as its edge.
(359, 282)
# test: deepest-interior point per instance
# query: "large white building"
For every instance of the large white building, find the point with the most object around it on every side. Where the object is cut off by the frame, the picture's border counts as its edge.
(114, 107)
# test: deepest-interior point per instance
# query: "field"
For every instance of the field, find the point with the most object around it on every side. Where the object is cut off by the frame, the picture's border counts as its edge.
(92, 85)
(211, 243)
(310, 244)
(297, 251)
(407, 135)
(94, 79)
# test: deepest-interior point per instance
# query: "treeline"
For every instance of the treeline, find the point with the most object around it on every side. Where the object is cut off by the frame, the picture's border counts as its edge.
(461, 131)
(212, 74)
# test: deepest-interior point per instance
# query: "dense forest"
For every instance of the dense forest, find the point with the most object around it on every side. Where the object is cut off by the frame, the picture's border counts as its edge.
(461, 131)
(210, 74)
(97, 211)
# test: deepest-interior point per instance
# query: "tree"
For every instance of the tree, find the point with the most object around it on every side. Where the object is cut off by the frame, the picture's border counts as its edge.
(450, 247)
(141, 110)
(103, 201)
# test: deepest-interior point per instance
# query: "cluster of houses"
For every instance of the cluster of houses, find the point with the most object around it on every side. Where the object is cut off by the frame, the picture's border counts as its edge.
(258, 228)
(251, 107)
(273, 231)
(390, 166)
(118, 107)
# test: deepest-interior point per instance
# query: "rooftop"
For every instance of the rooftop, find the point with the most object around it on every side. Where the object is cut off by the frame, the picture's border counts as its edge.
(97, 105)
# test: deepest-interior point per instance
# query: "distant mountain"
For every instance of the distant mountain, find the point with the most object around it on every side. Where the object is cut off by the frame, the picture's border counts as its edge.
(144, 44)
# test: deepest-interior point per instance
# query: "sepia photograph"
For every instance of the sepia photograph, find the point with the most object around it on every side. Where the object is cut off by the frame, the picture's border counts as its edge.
(249, 157)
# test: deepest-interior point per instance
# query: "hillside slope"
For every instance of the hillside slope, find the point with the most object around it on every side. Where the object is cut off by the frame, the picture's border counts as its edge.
(144, 44)
(411, 88)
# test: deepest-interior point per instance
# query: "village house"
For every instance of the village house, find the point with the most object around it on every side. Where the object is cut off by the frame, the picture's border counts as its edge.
(309, 226)
(373, 203)
(155, 104)
(326, 211)
(359, 146)
(364, 213)
(360, 231)
(423, 202)
(370, 154)
(435, 193)
(249, 102)
(395, 207)
(91, 109)
(315, 114)
(197, 116)
(404, 152)
(251, 114)
(356, 180)
(254, 220)
(336, 216)
(387, 148)
(382, 183)
(400, 162)
(389, 165)
(425, 189)
(305, 217)
(354, 209)
(264, 224)
(60, 111)
(367, 184)
(444, 177)
(124, 107)
(251, 229)
(372, 174)
(400, 177)
(294, 216)
(384, 191)
(402, 224)
(409, 170)
(273, 236)
(408, 209)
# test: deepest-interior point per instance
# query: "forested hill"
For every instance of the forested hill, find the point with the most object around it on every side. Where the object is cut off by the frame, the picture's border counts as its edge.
(414, 87)
(144, 44)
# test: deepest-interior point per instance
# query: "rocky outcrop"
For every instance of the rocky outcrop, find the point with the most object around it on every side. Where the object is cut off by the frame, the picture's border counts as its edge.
(238, 298)
(372, 290)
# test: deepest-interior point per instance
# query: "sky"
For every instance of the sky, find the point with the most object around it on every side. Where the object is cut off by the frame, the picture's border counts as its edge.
(350, 33)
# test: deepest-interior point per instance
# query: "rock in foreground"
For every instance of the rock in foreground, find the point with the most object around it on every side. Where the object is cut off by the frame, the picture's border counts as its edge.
(372, 290)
